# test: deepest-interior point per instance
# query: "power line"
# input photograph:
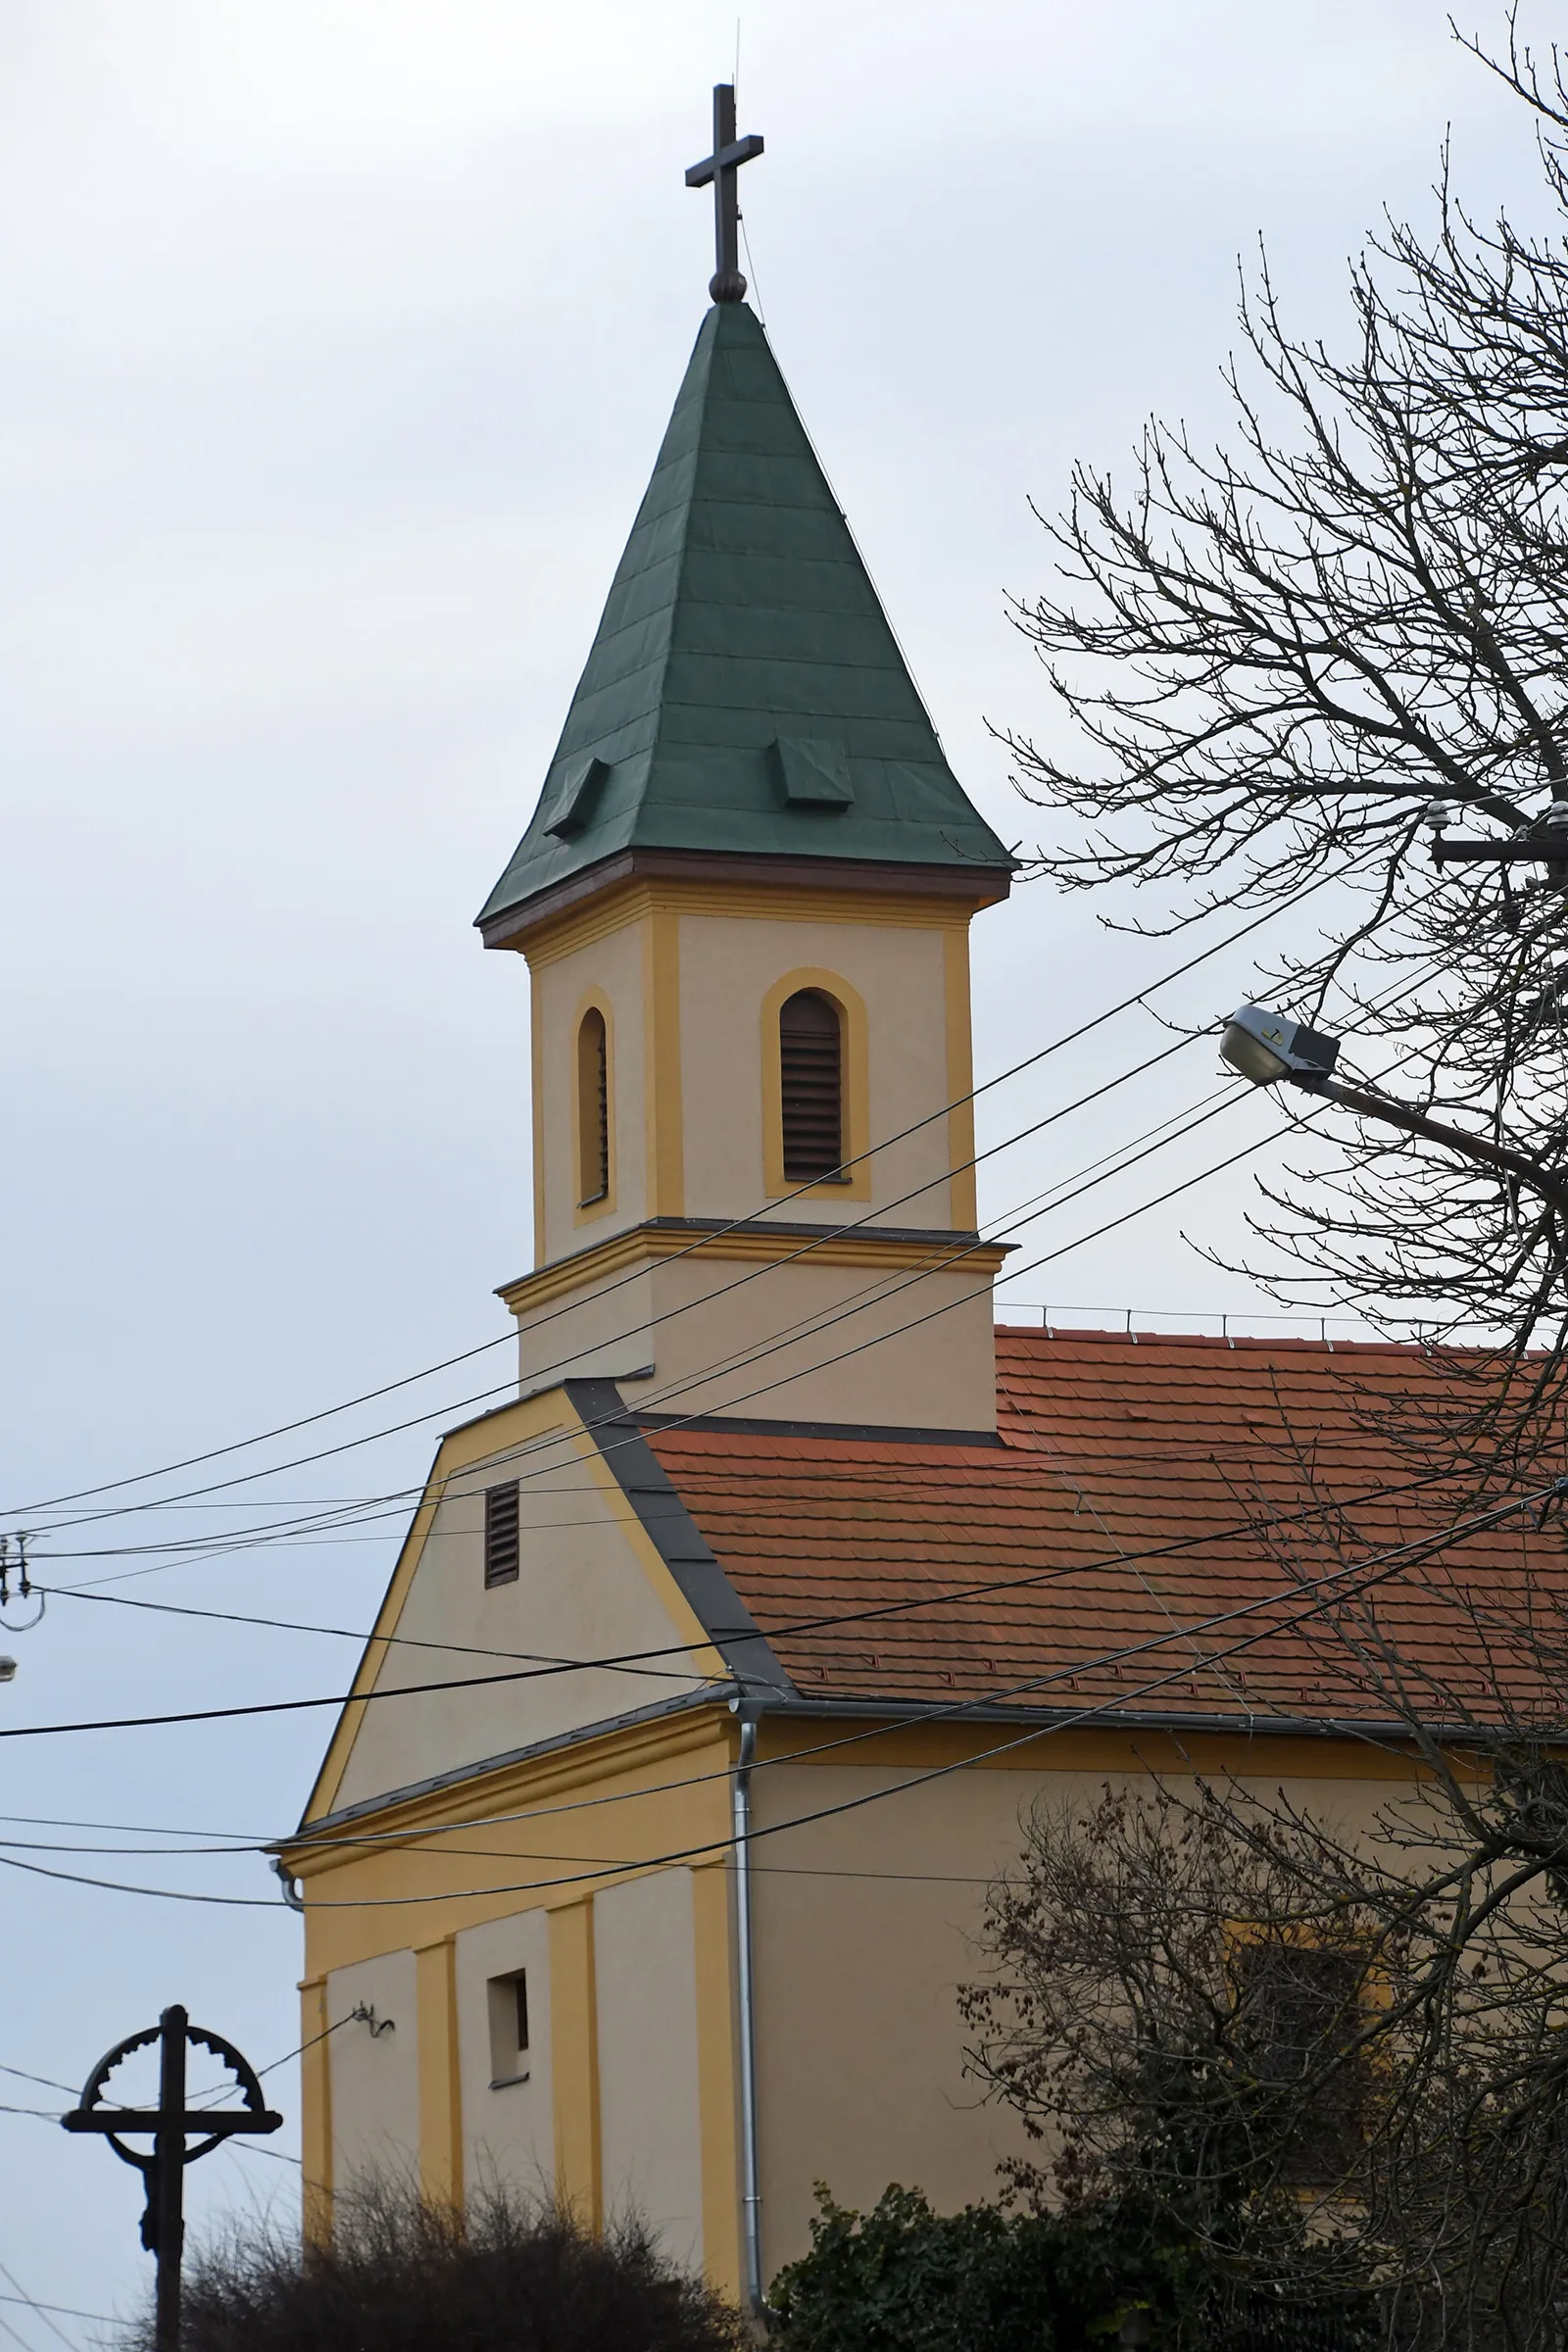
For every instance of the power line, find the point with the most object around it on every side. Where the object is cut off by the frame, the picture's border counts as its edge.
(708, 1299)
(555, 1440)
(42, 2309)
(318, 1529)
(16, 2338)
(66, 2311)
(777, 1629)
(44, 2081)
(313, 1527)
(1388, 1561)
(1015, 1069)
(359, 1511)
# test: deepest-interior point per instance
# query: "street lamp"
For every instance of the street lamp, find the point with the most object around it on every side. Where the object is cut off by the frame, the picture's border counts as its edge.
(1266, 1047)
(1269, 1047)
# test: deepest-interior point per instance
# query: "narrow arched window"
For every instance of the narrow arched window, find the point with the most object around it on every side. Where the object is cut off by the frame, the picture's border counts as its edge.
(811, 1056)
(593, 1110)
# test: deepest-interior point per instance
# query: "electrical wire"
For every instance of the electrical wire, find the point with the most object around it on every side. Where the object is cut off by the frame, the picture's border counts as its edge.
(556, 1439)
(708, 1299)
(1271, 1522)
(359, 1511)
(1109, 1561)
(1002, 1077)
(314, 1526)
(44, 2081)
(66, 2309)
(42, 2309)
(1387, 1561)
(15, 2337)
(605, 1663)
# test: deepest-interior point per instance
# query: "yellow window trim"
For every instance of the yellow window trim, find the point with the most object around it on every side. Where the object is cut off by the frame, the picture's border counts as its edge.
(586, 1213)
(856, 1141)
(536, 1039)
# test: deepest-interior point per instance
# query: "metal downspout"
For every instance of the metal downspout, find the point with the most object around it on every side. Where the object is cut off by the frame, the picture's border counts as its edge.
(750, 2195)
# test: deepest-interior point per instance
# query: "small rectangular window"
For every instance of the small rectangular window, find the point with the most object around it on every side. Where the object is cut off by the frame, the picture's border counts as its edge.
(501, 1534)
(1301, 2010)
(509, 2029)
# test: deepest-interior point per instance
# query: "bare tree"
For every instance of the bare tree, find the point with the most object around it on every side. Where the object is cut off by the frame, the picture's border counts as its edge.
(1331, 2055)
(1276, 656)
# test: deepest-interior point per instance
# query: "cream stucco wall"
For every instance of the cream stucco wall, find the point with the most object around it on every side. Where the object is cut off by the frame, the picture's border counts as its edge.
(508, 2133)
(689, 979)
(609, 969)
(645, 1963)
(589, 1587)
(866, 1926)
(374, 2075)
(908, 1343)
(685, 977)
(727, 967)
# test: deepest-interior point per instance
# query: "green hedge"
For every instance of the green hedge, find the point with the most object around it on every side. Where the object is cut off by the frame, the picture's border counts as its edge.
(905, 2278)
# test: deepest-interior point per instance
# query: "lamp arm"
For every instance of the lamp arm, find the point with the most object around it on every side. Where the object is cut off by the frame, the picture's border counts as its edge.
(1553, 1188)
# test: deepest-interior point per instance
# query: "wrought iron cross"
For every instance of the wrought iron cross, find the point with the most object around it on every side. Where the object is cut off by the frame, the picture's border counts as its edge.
(170, 2123)
(726, 283)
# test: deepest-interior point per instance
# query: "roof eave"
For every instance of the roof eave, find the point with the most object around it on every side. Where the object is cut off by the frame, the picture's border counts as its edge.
(976, 885)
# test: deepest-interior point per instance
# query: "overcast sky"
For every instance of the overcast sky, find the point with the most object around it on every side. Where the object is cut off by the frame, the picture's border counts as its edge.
(336, 341)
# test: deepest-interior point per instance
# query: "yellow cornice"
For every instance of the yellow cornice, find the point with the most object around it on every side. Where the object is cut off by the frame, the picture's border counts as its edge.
(749, 1244)
(807, 1741)
(995, 1745)
(601, 1756)
(630, 901)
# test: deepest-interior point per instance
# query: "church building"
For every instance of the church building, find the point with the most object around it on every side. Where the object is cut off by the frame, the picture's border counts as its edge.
(720, 1667)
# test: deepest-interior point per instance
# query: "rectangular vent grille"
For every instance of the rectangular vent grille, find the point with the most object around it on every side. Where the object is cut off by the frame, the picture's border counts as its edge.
(501, 1550)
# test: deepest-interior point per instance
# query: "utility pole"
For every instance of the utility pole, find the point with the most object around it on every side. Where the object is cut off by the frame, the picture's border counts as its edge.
(171, 2122)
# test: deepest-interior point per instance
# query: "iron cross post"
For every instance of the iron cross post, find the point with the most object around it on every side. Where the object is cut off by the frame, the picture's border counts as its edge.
(726, 283)
(163, 2225)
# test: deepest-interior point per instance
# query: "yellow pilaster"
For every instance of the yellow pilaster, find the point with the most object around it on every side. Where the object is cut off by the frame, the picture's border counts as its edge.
(666, 1175)
(965, 1211)
(574, 2060)
(440, 2084)
(316, 2111)
(718, 2092)
(536, 1090)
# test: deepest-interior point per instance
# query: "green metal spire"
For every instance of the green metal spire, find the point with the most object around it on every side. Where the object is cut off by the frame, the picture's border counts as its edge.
(745, 694)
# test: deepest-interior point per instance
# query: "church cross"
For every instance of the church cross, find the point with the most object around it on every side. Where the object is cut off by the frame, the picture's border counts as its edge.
(729, 153)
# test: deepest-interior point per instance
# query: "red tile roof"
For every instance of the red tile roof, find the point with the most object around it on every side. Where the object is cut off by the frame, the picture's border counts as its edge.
(1143, 1488)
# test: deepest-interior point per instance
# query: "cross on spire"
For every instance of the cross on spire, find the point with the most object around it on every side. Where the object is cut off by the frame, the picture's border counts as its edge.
(726, 283)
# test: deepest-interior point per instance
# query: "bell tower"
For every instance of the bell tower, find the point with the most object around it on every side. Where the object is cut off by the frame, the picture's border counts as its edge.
(744, 900)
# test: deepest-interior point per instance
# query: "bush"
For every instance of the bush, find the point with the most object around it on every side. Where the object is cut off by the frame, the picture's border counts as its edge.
(904, 2278)
(403, 2276)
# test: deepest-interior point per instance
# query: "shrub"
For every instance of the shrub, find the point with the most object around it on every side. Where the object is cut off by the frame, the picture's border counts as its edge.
(905, 2278)
(403, 2276)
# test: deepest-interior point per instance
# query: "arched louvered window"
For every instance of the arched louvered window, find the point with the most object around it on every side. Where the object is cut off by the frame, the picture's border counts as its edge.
(811, 1053)
(592, 1108)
